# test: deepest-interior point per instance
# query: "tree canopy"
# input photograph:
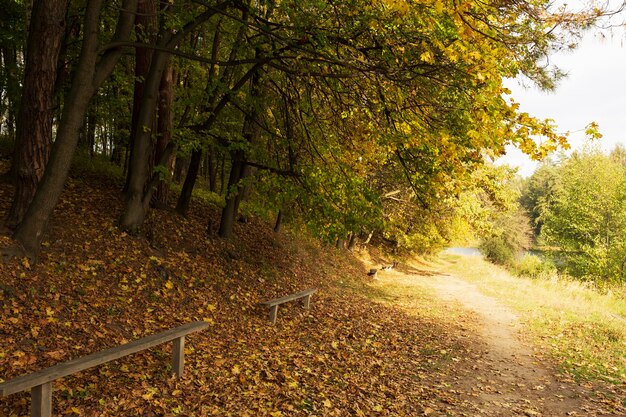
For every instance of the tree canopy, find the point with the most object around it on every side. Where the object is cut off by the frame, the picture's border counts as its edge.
(355, 117)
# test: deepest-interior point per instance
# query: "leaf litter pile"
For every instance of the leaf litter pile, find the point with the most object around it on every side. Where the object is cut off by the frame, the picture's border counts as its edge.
(96, 287)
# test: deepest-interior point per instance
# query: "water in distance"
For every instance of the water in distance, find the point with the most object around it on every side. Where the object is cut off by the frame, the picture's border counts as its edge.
(463, 251)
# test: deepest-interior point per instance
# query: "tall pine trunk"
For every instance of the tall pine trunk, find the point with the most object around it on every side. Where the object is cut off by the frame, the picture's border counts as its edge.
(91, 71)
(34, 127)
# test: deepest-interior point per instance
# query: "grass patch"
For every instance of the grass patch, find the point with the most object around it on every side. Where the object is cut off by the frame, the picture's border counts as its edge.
(585, 330)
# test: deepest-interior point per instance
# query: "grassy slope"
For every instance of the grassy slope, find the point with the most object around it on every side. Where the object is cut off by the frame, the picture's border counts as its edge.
(96, 287)
(583, 329)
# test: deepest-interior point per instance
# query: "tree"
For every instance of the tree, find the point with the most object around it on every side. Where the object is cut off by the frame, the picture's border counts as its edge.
(34, 127)
(141, 180)
(537, 193)
(12, 42)
(586, 217)
(92, 70)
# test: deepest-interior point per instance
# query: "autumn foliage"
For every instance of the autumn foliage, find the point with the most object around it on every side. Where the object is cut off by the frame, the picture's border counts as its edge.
(95, 287)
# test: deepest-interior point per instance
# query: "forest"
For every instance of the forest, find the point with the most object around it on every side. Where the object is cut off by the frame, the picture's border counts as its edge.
(353, 119)
(178, 161)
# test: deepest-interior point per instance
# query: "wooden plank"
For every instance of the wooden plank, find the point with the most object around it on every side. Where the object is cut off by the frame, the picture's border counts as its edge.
(290, 297)
(79, 364)
(41, 400)
(178, 356)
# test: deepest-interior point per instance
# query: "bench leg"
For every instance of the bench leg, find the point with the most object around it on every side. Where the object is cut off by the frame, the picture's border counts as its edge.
(178, 356)
(273, 313)
(41, 400)
(306, 302)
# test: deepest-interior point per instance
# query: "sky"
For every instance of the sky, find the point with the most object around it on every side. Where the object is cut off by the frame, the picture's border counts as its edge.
(595, 90)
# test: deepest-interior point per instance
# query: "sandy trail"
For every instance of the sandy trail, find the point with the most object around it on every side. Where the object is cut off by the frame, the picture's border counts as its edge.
(506, 378)
(501, 375)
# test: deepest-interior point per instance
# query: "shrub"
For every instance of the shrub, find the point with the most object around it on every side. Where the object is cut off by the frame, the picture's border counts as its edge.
(533, 266)
(496, 250)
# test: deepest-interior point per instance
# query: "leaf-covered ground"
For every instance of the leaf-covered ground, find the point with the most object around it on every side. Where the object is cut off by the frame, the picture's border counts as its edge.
(96, 287)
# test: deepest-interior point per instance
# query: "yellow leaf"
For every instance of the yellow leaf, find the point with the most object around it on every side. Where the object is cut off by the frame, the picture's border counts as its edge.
(328, 404)
(26, 263)
(378, 408)
(438, 6)
(169, 285)
(236, 370)
(427, 57)
(124, 368)
(276, 414)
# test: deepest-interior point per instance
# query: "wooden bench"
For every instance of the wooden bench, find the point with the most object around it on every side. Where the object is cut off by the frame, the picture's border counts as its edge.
(273, 304)
(41, 381)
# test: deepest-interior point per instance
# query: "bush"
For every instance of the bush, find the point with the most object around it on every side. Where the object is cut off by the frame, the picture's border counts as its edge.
(533, 266)
(496, 250)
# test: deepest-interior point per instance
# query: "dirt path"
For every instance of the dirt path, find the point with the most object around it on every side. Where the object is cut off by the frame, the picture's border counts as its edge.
(500, 375)
(506, 378)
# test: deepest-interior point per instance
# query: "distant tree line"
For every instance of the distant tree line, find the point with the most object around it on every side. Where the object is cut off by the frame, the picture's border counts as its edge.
(577, 207)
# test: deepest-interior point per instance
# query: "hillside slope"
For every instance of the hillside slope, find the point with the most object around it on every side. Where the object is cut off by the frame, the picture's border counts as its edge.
(95, 287)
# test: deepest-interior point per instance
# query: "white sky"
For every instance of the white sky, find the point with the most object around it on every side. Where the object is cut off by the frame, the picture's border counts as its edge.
(595, 90)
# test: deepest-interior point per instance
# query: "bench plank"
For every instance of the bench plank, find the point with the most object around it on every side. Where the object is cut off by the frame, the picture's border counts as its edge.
(273, 304)
(290, 297)
(60, 370)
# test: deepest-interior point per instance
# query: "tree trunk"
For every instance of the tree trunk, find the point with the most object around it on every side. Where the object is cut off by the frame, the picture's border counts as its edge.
(140, 182)
(229, 212)
(164, 133)
(212, 169)
(239, 170)
(190, 180)
(34, 129)
(180, 166)
(90, 140)
(139, 193)
(146, 29)
(352, 242)
(9, 56)
(89, 74)
(222, 174)
(279, 221)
